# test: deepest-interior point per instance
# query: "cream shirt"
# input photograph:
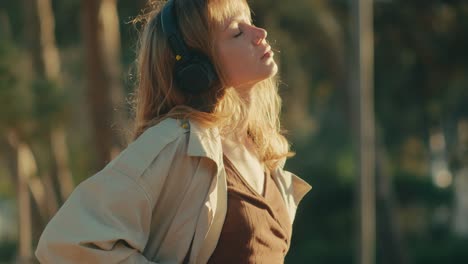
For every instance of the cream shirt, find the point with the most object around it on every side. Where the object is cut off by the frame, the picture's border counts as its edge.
(166, 190)
(246, 163)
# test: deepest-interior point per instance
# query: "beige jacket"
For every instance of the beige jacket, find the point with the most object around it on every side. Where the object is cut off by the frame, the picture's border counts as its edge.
(164, 190)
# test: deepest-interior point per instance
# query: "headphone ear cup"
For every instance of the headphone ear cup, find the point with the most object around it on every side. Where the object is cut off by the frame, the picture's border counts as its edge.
(196, 75)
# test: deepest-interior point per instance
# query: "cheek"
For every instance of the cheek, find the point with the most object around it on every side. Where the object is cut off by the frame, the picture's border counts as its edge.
(237, 64)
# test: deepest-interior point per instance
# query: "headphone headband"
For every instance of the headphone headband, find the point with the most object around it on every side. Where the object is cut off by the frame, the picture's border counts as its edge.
(169, 27)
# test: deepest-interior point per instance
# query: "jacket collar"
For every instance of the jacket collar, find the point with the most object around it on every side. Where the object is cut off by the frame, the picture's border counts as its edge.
(204, 141)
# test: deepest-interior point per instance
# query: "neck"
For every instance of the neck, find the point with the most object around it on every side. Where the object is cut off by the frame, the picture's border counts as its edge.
(239, 143)
(245, 92)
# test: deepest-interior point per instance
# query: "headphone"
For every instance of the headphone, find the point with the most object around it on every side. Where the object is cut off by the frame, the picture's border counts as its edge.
(193, 72)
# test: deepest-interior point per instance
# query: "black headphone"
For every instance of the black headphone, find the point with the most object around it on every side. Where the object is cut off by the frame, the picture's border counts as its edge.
(193, 72)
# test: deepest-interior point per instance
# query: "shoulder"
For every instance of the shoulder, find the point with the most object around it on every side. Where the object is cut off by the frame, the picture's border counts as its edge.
(170, 155)
(139, 154)
(151, 157)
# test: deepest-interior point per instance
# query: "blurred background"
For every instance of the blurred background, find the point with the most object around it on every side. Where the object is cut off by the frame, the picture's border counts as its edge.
(67, 70)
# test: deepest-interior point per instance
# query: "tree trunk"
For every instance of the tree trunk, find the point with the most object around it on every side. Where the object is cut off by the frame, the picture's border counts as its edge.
(460, 220)
(109, 19)
(46, 62)
(41, 206)
(39, 34)
(25, 168)
(363, 111)
(102, 47)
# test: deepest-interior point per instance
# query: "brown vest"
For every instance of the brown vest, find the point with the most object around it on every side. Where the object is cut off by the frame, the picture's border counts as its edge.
(257, 228)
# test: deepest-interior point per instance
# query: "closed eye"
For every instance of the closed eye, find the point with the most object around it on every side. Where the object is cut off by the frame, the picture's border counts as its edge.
(237, 35)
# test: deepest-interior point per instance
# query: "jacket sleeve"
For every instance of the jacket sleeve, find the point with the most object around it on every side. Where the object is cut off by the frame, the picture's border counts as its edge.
(106, 219)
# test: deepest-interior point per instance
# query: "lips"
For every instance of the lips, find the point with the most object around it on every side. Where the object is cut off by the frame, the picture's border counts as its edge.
(267, 51)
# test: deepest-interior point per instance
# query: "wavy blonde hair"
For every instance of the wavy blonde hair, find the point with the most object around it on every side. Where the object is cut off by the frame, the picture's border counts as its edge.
(156, 96)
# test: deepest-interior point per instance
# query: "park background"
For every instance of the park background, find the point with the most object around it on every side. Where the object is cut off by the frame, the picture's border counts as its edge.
(67, 69)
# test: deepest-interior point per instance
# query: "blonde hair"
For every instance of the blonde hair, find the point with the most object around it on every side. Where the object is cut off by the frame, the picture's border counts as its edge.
(157, 97)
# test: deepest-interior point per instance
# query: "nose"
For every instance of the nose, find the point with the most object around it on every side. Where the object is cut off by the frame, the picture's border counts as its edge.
(260, 34)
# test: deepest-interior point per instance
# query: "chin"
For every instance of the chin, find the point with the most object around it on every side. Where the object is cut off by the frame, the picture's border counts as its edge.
(272, 71)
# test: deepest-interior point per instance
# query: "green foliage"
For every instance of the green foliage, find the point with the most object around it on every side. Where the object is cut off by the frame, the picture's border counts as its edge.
(416, 189)
(11, 99)
(447, 249)
(27, 106)
(49, 102)
(8, 250)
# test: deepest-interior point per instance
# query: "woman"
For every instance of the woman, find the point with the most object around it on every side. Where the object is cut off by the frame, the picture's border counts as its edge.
(203, 180)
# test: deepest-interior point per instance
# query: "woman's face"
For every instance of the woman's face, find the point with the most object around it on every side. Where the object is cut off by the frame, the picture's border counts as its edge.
(243, 52)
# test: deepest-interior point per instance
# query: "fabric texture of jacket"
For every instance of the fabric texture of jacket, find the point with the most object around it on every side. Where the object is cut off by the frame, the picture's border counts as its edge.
(163, 196)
